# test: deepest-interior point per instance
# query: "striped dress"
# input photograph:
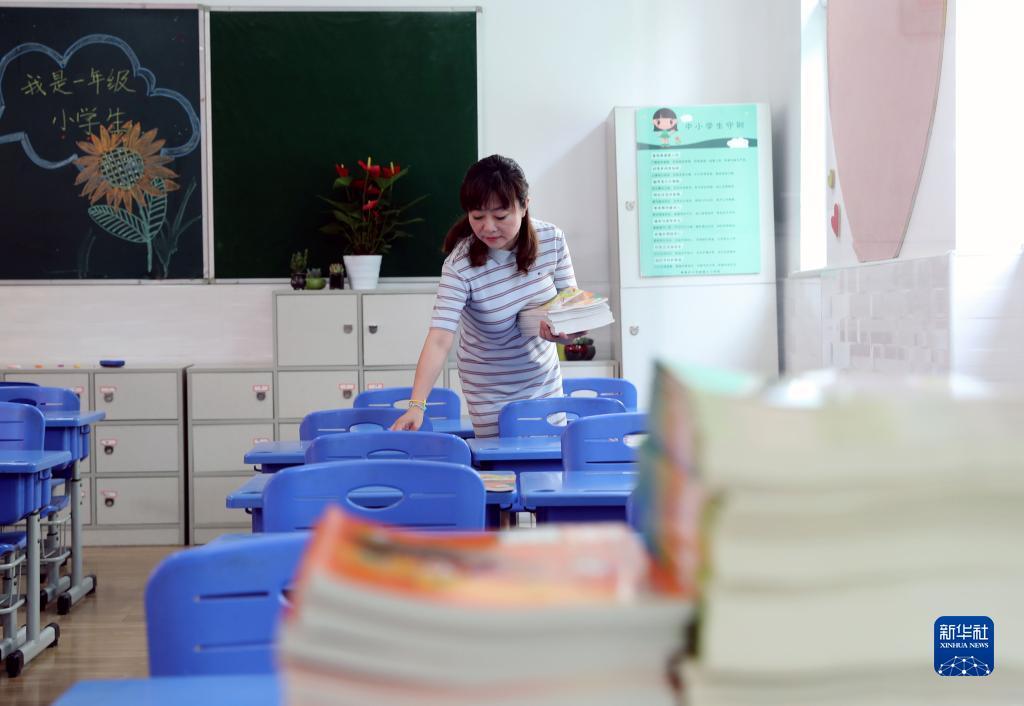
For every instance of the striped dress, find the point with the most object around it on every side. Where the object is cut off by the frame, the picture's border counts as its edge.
(497, 364)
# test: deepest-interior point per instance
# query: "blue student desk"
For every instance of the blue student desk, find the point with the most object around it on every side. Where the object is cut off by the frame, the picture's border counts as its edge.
(35, 465)
(68, 430)
(207, 690)
(517, 453)
(576, 496)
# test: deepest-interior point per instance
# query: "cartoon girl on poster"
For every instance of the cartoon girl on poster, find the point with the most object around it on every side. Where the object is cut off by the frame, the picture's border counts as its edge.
(666, 122)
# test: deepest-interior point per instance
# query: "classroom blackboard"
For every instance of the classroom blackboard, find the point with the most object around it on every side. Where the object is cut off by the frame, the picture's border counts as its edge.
(107, 98)
(294, 93)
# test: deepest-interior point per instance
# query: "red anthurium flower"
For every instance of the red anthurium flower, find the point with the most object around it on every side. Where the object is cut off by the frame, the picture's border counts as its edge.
(372, 170)
(370, 205)
(391, 170)
(341, 170)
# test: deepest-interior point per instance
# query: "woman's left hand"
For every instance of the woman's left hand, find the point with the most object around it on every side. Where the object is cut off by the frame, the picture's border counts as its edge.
(548, 335)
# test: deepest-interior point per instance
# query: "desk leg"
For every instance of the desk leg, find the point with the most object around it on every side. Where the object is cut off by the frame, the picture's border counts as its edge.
(36, 640)
(81, 585)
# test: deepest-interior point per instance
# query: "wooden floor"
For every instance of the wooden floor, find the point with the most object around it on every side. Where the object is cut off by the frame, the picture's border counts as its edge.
(104, 636)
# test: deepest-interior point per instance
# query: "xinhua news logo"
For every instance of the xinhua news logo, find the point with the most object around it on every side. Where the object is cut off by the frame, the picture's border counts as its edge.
(964, 646)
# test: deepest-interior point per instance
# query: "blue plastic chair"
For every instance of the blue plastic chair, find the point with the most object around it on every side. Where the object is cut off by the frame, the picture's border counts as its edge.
(215, 609)
(21, 427)
(534, 417)
(423, 446)
(336, 421)
(42, 397)
(599, 443)
(12, 383)
(614, 388)
(423, 494)
(442, 403)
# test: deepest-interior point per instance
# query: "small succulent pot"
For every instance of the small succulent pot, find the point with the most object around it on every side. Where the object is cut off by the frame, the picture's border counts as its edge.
(336, 280)
(315, 282)
(298, 280)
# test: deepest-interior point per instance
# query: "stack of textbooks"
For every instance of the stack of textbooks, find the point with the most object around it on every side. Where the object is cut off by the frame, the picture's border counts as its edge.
(559, 615)
(852, 539)
(571, 311)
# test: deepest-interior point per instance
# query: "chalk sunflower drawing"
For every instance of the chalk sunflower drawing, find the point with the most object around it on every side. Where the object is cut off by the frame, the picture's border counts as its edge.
(126, 167)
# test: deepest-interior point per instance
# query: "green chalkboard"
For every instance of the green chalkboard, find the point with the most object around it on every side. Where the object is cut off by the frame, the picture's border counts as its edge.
(125, 206)
(294, 93)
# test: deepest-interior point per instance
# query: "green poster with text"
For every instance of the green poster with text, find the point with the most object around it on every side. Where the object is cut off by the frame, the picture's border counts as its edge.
(698, 190)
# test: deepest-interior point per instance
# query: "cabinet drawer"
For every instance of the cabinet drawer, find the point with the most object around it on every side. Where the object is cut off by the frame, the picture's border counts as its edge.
(316, 329)
(78, 382)
(232, 395)
(137, 449)
(302, 392)
(209, 497)
(221, 447)
(288, 431)
(137, 395)
(137, 501)
(394, 326)
(377, 379)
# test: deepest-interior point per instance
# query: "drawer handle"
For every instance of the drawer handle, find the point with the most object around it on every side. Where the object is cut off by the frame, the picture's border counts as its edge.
(109, 502)
(347, 328)
(108, 450)
(109, 497)
(347, 394)
(261, 396)
(373, 328)
(634, 330)
(108, 396)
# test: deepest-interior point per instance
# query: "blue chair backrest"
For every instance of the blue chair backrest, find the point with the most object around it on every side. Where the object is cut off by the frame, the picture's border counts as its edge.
(535, 417)
(12, 383)
(442, 403)
(43, 397)
(21, 427)
(601, 443)
(426, 494)
(615, 388)
(336, 421)
(424, 446)
(214, 609)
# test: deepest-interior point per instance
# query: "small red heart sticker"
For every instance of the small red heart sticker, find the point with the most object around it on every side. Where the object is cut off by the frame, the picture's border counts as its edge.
(835, 219)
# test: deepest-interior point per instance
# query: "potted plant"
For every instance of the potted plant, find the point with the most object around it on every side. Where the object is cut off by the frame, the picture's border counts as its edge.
(336, 276)
(369, 217)
(298, 268)
(581, 348)
(314, 280)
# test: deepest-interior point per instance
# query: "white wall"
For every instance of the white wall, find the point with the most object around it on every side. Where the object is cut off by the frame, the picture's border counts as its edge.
(550, 73)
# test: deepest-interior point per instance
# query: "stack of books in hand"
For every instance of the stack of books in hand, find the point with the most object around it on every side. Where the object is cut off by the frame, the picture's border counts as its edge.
(571, 311)
(553, 616)
(852, 526)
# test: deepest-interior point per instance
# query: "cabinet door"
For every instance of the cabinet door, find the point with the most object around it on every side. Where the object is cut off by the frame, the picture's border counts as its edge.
(232, 395)
(300, 392)
(209, 498)
(137, 448)
(137, 501)
(137, 395)
(316, 329)
(379, 379)
(394, 326)
(686, 325)
(217, 448)
(594, 369)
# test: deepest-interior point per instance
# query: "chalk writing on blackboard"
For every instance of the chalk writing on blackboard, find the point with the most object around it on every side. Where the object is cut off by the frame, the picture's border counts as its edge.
(89, 107)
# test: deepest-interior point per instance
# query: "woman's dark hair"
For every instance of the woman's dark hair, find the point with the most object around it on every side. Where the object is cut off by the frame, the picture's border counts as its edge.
(500, 179)
(666, 113)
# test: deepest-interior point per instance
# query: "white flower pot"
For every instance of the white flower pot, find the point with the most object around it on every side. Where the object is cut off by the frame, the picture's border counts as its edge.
(362, 270)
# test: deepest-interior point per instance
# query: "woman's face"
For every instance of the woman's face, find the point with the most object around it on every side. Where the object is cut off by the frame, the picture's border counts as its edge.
(496, 225)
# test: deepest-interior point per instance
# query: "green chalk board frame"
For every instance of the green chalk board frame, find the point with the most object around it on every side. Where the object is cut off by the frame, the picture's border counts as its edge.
(294, 92)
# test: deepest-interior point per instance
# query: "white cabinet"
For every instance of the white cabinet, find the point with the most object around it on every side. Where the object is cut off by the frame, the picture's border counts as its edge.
(303, 391)
(138, 482)
(726, 320)
(375, 379)
(315, 329)
(230, 410)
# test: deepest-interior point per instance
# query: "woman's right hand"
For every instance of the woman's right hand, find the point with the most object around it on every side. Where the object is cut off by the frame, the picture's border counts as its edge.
(412, 420)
